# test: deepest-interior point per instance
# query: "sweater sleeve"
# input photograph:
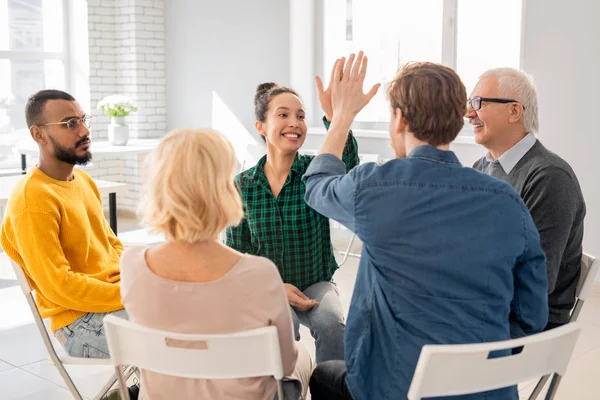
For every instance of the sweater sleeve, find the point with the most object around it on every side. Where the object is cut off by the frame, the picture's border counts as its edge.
(350, 155)
(113, 239)
(49, 269)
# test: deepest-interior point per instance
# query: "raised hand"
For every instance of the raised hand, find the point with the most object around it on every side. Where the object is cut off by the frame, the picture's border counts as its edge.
(347, 96)
(325, 95)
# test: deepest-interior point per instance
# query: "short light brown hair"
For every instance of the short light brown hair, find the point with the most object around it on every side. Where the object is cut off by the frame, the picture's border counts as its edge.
(433, 101)
(190, 191)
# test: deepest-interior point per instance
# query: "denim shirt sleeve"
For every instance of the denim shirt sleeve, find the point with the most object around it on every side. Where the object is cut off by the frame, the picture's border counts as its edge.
(529, 307)
(350, 155)
(329, 190)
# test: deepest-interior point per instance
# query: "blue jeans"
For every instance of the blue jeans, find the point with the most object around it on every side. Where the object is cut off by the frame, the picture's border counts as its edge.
(85, 336)
(325, 321)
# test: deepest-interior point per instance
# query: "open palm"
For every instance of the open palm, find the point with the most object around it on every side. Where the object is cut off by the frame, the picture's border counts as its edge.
(346, 86)
(325, 95)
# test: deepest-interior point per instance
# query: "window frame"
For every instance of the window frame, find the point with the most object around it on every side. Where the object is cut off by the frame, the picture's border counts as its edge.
(66, 56)
(449, 56)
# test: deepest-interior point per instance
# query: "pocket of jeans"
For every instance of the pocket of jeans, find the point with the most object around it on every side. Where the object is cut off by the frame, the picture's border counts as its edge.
(62, 336)
(86, 317)
(92, 352)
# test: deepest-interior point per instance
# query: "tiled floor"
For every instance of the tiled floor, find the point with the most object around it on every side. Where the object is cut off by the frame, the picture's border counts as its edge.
(25, 372)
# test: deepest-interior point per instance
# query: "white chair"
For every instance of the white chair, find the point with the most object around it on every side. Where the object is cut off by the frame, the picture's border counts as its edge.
(247, 354)
(141, 237)
(346, 253)
(450, 370)
(59, 361)
(589, 270)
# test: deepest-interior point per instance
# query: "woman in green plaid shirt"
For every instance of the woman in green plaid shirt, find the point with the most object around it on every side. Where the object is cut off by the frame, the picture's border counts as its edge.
(280, 226)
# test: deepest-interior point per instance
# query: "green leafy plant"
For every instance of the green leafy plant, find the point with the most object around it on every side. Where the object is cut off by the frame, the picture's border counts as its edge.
(117, 106)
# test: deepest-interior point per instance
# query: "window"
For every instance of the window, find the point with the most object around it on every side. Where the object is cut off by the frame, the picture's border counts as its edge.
(488, 35)
(468, 35)
(34, 55)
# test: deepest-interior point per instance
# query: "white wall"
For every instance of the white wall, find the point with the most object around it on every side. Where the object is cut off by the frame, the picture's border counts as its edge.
(562, 51)
(126, 49)
(227, 47)
(126, 56)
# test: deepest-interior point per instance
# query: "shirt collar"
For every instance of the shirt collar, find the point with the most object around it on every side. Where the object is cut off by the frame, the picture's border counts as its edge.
(512, 156)
(260, 165)
(434, 154)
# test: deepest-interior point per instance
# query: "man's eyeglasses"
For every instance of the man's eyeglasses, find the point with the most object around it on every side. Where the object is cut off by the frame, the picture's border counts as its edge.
(74, 123)
(475, 102)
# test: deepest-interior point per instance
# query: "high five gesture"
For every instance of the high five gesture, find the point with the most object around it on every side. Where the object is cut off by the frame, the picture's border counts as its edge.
(347, 99)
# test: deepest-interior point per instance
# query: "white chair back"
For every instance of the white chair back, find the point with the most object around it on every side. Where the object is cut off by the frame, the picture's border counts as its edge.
(245, 354)
(22, 278)
(589, 270)
(449, 370)
(141, 237)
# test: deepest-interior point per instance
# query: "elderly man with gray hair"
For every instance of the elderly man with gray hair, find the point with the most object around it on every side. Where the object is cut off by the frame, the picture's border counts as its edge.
(503, 111)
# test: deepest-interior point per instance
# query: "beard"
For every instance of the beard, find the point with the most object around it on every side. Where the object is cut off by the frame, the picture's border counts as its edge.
(70, 156)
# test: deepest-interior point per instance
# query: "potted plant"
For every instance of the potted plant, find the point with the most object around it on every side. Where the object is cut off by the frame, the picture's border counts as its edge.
(117, 107)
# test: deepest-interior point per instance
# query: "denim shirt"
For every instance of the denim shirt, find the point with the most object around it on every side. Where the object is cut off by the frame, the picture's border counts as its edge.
(450, 256)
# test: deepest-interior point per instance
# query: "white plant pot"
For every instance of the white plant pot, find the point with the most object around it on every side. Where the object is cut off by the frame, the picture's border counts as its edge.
(118, 131)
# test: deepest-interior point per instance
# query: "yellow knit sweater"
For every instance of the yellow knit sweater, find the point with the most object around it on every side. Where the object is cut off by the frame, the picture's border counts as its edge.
(56, 231)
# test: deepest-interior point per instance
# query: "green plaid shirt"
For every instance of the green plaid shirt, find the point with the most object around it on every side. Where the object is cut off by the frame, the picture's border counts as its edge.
(284, 229)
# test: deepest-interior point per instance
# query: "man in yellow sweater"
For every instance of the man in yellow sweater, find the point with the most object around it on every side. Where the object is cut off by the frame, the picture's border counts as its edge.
(56, 231)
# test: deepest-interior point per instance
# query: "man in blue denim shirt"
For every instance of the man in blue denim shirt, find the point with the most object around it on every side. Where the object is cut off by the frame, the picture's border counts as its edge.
(449, 256)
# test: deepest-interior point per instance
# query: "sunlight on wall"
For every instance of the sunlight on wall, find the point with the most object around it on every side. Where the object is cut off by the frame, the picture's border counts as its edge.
(247, 148)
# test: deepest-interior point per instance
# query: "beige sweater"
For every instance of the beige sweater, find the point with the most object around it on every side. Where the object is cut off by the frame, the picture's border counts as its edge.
(251, 295)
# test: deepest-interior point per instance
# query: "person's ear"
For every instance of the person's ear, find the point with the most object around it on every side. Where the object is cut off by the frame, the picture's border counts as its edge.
(37, 134)
(261, 128)
(515, 112)
(399, 121)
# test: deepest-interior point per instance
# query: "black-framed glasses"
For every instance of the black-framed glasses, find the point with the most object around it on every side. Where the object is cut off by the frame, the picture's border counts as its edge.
(475, 102)
(74, 123)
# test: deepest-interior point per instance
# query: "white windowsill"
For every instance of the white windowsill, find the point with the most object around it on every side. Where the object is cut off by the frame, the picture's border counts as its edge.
(98, 147)
(465, 136)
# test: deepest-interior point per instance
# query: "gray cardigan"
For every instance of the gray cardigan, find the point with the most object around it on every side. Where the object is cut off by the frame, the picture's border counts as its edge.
(549, 188)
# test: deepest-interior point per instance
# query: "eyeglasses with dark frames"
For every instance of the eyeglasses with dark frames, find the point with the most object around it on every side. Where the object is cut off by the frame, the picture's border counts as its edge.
(476, 101)
(74, 123)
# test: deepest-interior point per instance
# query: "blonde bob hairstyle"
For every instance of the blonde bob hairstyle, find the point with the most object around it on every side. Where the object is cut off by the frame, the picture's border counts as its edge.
(190, 193)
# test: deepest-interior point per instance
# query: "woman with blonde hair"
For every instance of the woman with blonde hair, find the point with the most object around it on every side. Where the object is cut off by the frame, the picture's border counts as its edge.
(193, 283)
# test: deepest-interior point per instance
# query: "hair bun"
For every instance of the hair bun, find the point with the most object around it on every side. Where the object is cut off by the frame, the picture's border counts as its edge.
(265, 87)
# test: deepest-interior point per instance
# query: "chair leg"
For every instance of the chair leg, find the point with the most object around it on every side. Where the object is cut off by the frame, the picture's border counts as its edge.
(347, 252)
(107, 386)
(279, 390)
(576, 310)
(67, 378)
(539, 387)
(122, 383)
(127, 371)
(136, 371)
(50, 348)
(553, 387)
